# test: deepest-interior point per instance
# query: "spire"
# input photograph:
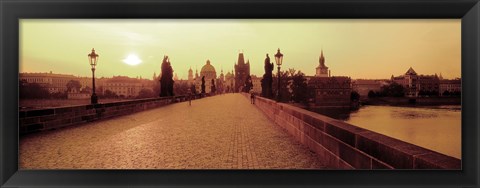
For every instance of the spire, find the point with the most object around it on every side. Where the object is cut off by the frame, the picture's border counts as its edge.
(322, 60)
(241, 59)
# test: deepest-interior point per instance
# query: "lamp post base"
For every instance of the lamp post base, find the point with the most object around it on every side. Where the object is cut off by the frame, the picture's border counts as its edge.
(94, 99)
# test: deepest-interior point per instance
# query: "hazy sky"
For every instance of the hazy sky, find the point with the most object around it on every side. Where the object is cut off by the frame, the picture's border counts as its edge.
(356, 48)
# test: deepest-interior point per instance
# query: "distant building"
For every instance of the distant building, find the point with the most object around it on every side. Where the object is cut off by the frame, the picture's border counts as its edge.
(242, 70)
(416, 85)
(190, 76)
(75, 94)
(363, 86)
(327, 90)
(54, 83)
(57, 83)
(229, 83)
(257, 84)
(452, 86)
(126, 86)
(331, 91)
(221, 83)
(175, 78)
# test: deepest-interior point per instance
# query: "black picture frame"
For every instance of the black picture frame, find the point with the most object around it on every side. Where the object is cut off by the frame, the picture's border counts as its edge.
(13, 10)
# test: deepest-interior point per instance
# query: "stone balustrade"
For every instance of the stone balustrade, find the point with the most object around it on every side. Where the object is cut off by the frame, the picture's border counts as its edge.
(344, 146)
(52, 118)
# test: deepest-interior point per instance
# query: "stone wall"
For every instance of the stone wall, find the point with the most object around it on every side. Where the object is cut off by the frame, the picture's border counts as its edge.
(53, 118)
(344, 146)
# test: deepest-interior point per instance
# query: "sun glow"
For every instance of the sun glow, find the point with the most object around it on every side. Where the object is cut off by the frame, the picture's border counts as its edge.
(132, 59)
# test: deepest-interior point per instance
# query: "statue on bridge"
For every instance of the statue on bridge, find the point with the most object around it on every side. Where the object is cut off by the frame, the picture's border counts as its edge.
(267, 79)
(203, 84)
(213, 89)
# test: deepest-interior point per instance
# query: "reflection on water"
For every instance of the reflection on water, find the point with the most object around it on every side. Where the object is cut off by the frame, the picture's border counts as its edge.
(434, 127)
(334, 112)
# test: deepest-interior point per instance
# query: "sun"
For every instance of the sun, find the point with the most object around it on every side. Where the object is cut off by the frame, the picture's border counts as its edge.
(132, 59)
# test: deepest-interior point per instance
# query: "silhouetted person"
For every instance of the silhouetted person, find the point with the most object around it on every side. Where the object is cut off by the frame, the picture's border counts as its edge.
(252, 97)
(189, 97)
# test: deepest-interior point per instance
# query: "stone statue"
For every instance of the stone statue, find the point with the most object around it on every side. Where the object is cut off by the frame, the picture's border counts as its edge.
(203, 84)
(267, 79)
(213, 88)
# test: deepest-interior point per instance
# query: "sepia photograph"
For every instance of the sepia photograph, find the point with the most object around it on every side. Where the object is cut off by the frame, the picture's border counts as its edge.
(254, 94)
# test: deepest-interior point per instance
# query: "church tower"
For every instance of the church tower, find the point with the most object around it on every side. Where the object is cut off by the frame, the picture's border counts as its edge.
(190, 76)
(196, 73)
(222, 77)
(322, 70)
(242, 71)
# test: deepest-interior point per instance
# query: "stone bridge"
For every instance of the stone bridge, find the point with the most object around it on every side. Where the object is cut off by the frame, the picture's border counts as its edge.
(219, 132)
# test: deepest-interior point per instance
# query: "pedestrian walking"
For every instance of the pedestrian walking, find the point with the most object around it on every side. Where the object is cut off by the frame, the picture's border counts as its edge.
(252, 97)
(190, 97)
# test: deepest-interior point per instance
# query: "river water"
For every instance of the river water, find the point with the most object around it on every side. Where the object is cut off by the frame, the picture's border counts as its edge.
(434, 127)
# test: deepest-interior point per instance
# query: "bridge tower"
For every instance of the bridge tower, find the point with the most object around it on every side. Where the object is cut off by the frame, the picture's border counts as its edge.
(242, 70)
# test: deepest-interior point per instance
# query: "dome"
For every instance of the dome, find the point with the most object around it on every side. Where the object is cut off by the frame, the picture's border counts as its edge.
(208, 68)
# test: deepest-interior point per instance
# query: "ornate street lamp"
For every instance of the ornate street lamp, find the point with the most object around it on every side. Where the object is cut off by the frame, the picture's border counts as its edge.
(278, 60)
(93, 58)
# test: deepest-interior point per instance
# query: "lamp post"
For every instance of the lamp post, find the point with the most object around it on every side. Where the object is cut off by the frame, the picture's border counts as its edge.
(278, 60)
(93, 58)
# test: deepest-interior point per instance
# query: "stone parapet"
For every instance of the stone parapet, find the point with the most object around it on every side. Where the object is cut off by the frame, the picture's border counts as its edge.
(52, 118)
(344, 146)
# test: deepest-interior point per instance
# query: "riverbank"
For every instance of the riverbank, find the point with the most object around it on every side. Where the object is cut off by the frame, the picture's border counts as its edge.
(408, 101)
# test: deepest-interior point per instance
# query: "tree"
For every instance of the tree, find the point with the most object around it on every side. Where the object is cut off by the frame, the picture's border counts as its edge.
(446, 93)
(181, 88)
(193, 89)
(166, 80)
(371, 94)
(292, 72)
(32, 91)
(299, 87)
(284, 93)
(393, 90)
(110, 94)
(354, 96)
(73, 84)
(145, 93)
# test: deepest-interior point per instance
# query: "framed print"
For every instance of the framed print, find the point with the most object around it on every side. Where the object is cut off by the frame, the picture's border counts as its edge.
(239, 93)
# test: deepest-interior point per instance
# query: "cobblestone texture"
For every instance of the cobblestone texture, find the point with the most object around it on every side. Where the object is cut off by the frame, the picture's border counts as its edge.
(210, 134)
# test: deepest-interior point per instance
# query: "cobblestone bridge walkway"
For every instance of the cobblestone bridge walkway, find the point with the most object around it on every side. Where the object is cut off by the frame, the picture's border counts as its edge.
(220, 132)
